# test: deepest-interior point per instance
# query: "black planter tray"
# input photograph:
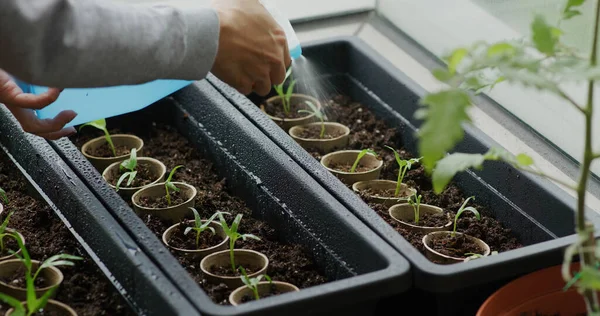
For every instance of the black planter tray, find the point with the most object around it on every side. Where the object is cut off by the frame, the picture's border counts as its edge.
(135, 276)
(538, 212)
(362, 268)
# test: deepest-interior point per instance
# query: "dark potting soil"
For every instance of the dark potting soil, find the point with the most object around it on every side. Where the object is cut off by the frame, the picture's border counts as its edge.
(367, 131)
(386, 193)
(18, 278)
(457, 246)
(85, 288)
(348, 167)
(290, 263)
(143, 177)
(105, 151)
(314, 132)
(431, 220)
(177, 198)
(275, 109)
(273, 292)
(227, 271)
(51, 313)
(207, 239)
(10, 244)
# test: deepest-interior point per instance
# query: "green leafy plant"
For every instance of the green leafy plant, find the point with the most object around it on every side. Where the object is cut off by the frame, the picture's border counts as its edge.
(3, 232)
(360, 155)
(318, 114)
(461, 210)
(101, 125)
(128, 164)
(4, 196)
(286, 95)
(234, 235)
(404, 166)
(170, 186)
(542, 62)
(415, 202)
(34, 304)
(200, 227)
(252, 283)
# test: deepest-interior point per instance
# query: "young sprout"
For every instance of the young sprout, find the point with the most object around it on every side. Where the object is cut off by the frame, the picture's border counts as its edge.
(200, 227)
(404, 165)
(286, 95)
(416, 205)
(128, 164)
(4, 196)
(252, 283)
(314, 110)
(170, 185)
(359, 157)
(3, 231)
(233, 235)
(463, 209)
(34, 304)
(101, 125)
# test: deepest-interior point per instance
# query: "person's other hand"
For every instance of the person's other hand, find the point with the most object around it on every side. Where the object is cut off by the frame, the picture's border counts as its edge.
(253, 53)
(21, 105)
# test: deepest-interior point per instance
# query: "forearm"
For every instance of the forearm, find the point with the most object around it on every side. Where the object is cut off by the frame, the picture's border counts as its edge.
(87, 43)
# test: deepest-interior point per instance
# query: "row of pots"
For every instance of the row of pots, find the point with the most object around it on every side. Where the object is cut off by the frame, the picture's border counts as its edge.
(214, 256)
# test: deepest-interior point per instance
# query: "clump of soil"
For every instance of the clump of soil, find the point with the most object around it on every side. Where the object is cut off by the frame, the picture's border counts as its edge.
(273, 291)
(143, 177)
(314, 132)
(177, 198)
(18, 279)
(456, 246)
(207, 238)
(344, 167)
(85, 288)
(275, 109)
(287, 262)
(105, 151)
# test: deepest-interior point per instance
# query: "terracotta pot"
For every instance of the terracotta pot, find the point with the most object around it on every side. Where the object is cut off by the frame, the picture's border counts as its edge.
(8, 268)
(349, 157)
(286, 124)
(434, 255)
(197, 253)
(360, 186)
(322, 145)
(405, 215)
(111, 172)
(174, 213)
(51, 305)
(242, 257)
(235, 298)
(130, 141)
(540, 291)
(5, 238)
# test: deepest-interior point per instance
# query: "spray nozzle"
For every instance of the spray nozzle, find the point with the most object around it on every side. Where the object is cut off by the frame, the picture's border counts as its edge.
(284, 22)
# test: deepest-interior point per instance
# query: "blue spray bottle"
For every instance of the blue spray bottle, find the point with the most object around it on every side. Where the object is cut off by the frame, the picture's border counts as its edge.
(92, 104)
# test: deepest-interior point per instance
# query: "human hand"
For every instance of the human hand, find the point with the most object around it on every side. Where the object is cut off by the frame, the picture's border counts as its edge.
(21, 105)
(253, 53)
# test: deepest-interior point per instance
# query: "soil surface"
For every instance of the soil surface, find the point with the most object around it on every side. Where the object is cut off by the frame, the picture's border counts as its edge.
(387, 193)
(18, 279)
(207, 239)
(314, 132)
(143, 177)
(177, 198)
(226, 270)
(348, 167)
(431, 220)
(9, 244)
(290, 263)
(368, 131)
(273, 292)
(275, 109)
(104, 151)
(457, 246)
(85, 288)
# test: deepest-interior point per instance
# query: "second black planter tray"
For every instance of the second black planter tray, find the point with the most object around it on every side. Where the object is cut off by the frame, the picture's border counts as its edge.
(539, 214)
(360, 267)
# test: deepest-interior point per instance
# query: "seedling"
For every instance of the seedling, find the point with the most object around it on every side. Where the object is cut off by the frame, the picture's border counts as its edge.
(3, 232)
(361, 154)
(34, 304)
(287, 94)
(234, 235)
(415, 201)
(4, 196)
(128, 164)
(101, 125)
(404, 166)
(314, 110)
(170, 186)
(462, 210)
(200, 227)
(252, 283)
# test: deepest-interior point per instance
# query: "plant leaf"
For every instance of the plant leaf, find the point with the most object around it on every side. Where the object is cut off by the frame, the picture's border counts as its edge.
(4, 196)
(569, 12)
(172, 173)
(244, 236)
(187, 230)
(131, 163)
(543, 38)
(501, 49)
(42, 301)
(290, 90)
(131, 177)
(524, 160)
(455, 58)
(236, 223)
(590, 278)
(5, 223)
(14, 303)
(442, 75)
(442, 129)
(99, 124)
(450, 165)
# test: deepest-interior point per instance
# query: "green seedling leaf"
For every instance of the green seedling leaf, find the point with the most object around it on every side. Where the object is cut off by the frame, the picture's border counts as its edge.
(589, 278)
(200, 227)
(233, 234)
(455, 58)
(130, 163)
(569, 12)
(360, 155)
(314, 110)
(38, 304)
(444, 114)
(3, 230)
(19, 310)
(524, 160)
(4, 196)
(501, 49)
(450, 165)
(442, 75)
(543, 38)
(404, 166)
(464, 208)
(101, 125)
(169, 185)
(415, 202)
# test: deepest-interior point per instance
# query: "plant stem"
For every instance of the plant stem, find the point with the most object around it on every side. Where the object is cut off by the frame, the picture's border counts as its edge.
(568, 98)
(322, 129)
(231, 245)
(255, 290)
(110, 143)
(197, 238)
(401, 173)
(417, 213)
(539, 173)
